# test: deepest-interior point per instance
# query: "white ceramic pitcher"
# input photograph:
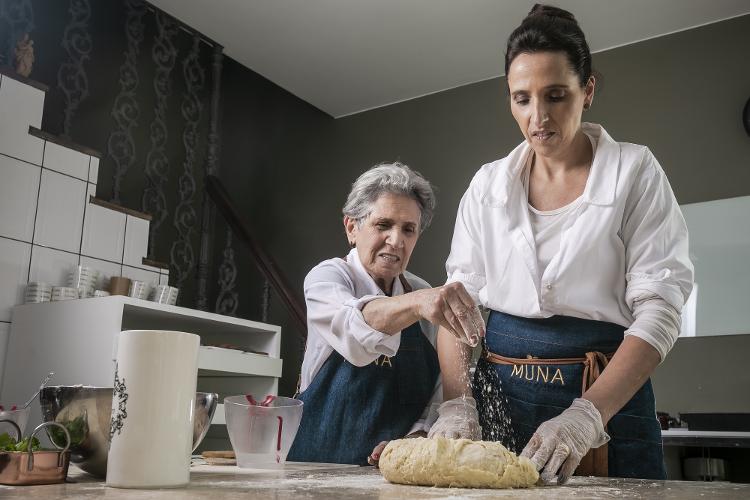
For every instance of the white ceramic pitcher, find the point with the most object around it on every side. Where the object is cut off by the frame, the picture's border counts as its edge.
(152, 409)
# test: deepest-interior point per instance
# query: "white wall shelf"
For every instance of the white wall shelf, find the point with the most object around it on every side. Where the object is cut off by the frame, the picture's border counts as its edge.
(227, 361)
(219, 418)
(77, 340)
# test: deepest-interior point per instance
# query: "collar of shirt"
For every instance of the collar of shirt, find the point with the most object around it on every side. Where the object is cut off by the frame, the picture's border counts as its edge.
(366, 281)
(505, 182)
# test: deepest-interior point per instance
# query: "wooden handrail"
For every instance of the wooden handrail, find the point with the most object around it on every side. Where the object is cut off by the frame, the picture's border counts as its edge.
(265, 262)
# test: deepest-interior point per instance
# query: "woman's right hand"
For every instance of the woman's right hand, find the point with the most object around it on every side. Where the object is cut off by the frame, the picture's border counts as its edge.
(451, 307)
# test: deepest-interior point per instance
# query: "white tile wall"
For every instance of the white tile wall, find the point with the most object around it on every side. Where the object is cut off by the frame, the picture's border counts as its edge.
(59, 217)
(20, 106)
(103, 233)
(51, 266)
(94, 169)
(65, 160)
(4, 335)
(136, 241)
(106, 270)
(19, 186)
(14, 268)
(51, 210)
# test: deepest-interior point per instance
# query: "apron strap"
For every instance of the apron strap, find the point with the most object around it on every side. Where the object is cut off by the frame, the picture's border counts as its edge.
(595, 462)
(404, 283)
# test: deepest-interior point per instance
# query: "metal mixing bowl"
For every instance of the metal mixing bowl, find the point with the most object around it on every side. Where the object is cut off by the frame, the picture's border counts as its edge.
(85, 411)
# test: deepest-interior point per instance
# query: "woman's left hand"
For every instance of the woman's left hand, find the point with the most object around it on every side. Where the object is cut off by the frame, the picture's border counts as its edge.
(375, 455)
(559, 444)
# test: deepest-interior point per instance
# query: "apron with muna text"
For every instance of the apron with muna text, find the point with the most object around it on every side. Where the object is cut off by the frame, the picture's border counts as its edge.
(349, 410)
(543, 364)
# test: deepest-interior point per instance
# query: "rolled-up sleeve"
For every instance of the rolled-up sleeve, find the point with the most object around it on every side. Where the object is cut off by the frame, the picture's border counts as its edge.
(659, 272)
(336, 315)
(465, 263)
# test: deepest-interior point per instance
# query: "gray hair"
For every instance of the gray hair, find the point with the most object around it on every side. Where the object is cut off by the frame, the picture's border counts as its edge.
(395, 178)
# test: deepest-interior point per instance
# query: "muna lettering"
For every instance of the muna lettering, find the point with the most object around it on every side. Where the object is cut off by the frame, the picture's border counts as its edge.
(536, 373)
(383, 360)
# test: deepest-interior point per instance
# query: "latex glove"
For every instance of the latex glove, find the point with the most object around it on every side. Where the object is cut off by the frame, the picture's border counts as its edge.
(457, 418)
(559, 444)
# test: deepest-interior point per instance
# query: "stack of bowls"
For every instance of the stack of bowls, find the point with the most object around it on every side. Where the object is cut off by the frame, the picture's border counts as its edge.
(139, 289)
(63, 293)
(165, 294)
(101, 293)
(37, 291)
(83, 279)
(160, 294)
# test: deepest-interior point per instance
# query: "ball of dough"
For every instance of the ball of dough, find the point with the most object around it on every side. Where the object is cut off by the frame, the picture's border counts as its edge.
(460, 463)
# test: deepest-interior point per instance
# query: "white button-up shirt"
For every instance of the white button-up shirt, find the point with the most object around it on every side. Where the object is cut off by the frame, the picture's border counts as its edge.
(336, 290)
(625, 243)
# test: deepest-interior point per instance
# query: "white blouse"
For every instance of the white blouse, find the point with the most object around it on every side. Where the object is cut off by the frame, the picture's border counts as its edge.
(336, 290)
(625, 245)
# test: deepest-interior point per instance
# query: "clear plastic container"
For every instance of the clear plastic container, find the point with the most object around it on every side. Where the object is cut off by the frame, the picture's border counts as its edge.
(19, 415)
(262, 433)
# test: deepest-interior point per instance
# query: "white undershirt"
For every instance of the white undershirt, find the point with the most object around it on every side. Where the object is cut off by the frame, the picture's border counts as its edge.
(547, 226)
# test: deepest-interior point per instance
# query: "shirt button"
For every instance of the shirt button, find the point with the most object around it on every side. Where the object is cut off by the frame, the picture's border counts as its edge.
(548, 286)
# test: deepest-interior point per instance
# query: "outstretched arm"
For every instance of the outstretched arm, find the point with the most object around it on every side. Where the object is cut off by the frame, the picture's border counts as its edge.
(457, 416)
(449, 307)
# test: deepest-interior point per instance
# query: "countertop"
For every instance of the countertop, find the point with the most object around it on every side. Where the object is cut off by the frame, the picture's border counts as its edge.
(220, 483)
(715, 439)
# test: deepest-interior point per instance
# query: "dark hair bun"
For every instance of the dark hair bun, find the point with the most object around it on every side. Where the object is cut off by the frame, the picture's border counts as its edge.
(551, 29)
(550, 11)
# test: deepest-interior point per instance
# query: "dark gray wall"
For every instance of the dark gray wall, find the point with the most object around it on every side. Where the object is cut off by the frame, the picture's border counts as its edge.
(93, 122)
(681, 95)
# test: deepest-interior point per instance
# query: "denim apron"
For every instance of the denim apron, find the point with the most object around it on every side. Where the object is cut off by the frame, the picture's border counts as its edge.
(535, 392)
(349, 410)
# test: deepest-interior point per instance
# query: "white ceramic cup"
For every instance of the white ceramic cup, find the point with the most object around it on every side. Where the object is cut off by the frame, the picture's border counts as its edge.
(152, 409)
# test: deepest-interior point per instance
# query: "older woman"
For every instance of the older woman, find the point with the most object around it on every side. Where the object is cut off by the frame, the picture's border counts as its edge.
(370, 372)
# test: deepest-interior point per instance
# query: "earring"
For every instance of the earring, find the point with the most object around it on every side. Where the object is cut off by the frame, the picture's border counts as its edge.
(586, 105)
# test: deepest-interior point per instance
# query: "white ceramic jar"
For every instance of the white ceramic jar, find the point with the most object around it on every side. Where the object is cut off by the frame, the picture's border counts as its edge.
(152, 409)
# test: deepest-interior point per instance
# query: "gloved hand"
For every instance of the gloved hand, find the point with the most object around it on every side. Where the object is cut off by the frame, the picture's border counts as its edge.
(559, 444)
(458, 418)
